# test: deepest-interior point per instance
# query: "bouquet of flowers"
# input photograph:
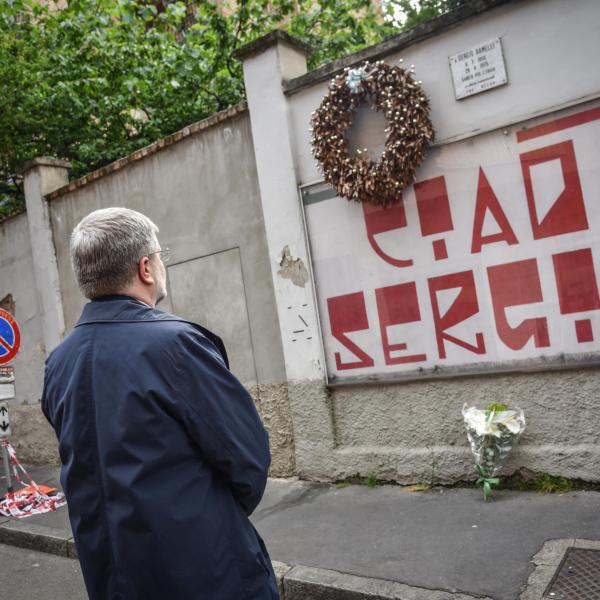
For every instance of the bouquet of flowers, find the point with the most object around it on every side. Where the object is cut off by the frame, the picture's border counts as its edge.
(492, 434)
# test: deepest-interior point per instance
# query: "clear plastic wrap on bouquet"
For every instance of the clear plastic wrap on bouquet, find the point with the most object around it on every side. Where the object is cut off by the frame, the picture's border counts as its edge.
(492, 435)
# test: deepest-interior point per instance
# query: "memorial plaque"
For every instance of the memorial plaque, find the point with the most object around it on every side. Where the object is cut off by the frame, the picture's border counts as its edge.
(478, 69)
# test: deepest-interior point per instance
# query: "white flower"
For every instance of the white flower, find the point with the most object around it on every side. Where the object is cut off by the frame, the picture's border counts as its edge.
(485, 422)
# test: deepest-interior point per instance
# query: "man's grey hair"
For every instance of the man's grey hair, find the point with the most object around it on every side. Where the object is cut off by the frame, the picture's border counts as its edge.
(106, 247)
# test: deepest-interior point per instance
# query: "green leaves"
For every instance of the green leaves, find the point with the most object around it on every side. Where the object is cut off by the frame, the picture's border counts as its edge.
(408, 13)
(486, 482)
(76, 81)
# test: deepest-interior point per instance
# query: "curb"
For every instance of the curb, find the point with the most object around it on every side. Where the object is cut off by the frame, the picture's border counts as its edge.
(310, 583)
(37, 537)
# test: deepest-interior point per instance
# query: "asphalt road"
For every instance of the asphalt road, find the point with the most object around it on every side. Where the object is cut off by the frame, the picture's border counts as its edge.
(28, 575)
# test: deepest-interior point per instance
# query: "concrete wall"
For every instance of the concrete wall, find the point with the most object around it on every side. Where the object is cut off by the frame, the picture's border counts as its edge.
(413, 431)
(199, 186)
(202, 194)
(16, 268)
(32, 436)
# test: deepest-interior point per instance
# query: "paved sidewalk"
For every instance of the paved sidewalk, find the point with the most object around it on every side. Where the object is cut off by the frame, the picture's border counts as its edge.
(28, 575)
(388, 542)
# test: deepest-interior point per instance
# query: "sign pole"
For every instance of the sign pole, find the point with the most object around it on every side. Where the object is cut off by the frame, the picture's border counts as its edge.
(6, 461)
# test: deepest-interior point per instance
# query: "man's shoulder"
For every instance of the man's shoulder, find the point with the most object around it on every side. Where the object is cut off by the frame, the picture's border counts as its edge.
(194, 331)
(156, 325)
(173, 334)
(174, 325)
(151, 326)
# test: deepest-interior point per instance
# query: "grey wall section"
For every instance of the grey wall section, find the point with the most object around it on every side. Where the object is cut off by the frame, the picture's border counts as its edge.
(413, 432)
(16, 278)
(31, 434)
(422, 419)
(203, 195)
(202, 303)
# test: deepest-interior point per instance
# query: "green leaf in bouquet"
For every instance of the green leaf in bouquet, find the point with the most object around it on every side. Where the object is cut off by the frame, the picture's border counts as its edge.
(486, 482)
(496, 407)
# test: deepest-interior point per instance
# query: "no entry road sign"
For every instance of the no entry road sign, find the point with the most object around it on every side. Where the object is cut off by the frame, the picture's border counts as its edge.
(10, 337)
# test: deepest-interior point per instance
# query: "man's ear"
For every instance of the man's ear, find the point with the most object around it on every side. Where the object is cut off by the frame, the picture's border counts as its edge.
(145, 271)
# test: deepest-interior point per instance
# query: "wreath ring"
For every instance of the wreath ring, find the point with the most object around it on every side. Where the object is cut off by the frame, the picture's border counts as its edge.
(393, 91)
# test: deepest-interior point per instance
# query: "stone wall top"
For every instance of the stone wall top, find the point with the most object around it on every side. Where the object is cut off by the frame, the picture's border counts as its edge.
(45, 161)
(11, 216)
(268, 40)
(396, 43)
(121, 163)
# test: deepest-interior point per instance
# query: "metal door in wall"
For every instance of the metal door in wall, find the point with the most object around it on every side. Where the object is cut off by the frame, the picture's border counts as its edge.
(209, 290)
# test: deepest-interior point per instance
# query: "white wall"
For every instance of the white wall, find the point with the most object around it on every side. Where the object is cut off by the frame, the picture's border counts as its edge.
(16, 278)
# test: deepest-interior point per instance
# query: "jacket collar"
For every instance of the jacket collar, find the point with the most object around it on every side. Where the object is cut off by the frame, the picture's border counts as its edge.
(116, 308)
(125, 309)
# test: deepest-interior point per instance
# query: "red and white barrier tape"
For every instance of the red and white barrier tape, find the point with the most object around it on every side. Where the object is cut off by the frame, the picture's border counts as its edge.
(33, 499)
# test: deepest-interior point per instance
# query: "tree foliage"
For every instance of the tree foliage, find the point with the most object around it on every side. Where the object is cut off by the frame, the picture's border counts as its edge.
(408, 13)
(98, 79)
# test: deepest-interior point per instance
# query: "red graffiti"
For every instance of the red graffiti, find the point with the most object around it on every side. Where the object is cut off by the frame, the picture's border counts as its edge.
(464, 307)
(523, 309)
(580, 118)
(516, 284)
(567, 211)
(397, 305)
(577, 288)
(435, 216)
(348, 313)
(583, 331)
(487, 201)
(576, 281)
(381, 219)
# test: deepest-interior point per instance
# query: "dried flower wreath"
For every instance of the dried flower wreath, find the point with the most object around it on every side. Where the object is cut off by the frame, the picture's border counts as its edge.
(392, 90)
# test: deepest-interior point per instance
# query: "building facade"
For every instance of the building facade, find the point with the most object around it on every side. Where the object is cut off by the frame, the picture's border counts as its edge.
(362, 331)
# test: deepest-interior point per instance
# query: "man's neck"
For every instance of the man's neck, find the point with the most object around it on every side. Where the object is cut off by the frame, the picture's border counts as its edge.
(119, 296)
(139, 294)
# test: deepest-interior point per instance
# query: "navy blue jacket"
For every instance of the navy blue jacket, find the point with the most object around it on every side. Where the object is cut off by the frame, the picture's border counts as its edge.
(164, 457)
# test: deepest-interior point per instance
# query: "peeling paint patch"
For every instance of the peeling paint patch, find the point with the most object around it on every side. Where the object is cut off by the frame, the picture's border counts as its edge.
(292, 268)
(8, 304)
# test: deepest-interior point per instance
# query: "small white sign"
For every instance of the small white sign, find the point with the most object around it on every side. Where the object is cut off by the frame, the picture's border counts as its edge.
(7, 391)
(478, 69)
(7, 374)
(4, 419)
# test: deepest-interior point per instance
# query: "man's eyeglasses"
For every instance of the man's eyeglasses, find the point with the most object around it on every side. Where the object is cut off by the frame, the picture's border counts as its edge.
(165, 254)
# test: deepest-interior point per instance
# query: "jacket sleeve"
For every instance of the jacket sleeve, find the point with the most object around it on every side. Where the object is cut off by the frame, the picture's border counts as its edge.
(220, 416)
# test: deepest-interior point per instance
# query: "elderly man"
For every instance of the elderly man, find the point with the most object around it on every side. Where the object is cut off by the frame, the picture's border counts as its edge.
(164, 455)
